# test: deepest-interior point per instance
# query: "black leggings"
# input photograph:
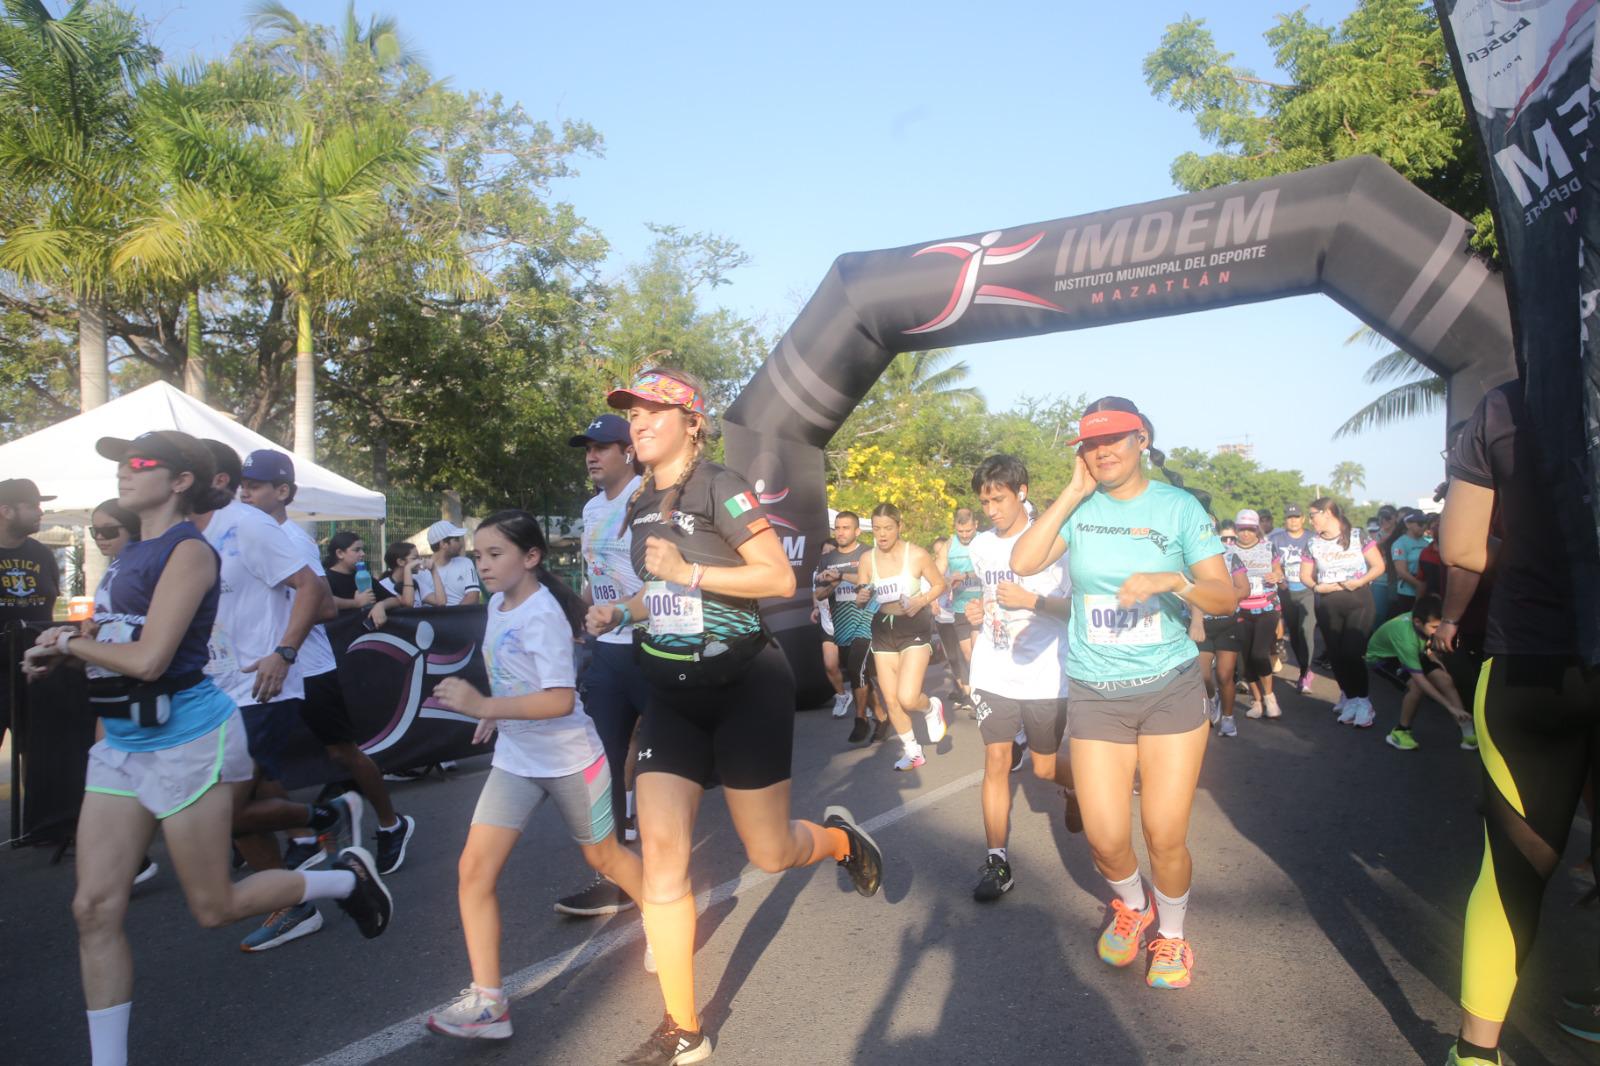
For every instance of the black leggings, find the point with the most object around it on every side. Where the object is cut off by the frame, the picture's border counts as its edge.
(1538, 721)
(1345, 618)
(1298, 621)
(1259, 635)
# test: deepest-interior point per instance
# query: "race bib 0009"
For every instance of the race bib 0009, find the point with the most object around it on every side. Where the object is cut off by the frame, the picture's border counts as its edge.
(674, 609)
(1111, 624)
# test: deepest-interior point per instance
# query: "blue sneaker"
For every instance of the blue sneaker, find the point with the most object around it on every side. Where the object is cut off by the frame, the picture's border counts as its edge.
(282, 926)
(346, 829)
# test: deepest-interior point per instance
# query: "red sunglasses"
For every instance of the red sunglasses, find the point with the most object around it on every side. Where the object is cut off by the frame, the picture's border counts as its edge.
(139, 462)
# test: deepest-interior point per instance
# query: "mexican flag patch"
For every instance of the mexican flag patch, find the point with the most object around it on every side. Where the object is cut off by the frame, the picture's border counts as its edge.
(738, 505)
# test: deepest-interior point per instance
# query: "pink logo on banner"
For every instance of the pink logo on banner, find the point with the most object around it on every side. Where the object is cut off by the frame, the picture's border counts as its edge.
(967, 291)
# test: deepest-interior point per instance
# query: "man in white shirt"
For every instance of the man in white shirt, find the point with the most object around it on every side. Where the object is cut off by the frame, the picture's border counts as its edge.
(455, 579)
(614, 690)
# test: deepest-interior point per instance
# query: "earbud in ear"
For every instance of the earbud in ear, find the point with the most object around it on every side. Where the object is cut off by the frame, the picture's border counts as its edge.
(1023, 495)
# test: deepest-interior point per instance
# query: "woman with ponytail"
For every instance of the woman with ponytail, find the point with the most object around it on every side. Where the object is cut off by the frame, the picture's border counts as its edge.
(1140, 553)
(1340, 565)
(721, 705)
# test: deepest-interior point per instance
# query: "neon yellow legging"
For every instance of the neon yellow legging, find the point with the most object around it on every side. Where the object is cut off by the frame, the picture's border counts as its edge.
(1538, 722)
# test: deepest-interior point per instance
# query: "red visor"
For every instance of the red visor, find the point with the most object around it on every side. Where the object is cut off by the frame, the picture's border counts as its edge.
(1106, 424)
(659, 388)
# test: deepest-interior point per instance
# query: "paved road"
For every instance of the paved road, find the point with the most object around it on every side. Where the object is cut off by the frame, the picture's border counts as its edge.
(1332, 874)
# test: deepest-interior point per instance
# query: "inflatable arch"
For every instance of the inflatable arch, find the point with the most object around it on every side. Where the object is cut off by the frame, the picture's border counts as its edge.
(1355, 230)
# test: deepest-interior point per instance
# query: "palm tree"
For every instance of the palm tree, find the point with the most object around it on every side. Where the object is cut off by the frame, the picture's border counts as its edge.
(1420, 391)
(67, 156)
(1346, 476)
(913, 381)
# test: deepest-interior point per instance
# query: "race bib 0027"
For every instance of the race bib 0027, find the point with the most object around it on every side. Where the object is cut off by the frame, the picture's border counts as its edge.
(674, 609)
(1109, 623)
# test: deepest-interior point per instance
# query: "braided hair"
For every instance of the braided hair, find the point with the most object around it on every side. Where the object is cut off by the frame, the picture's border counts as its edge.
(1158, 458)
(697, 439)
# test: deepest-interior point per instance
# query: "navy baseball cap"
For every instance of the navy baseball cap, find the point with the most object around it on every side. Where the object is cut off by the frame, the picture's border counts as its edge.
(265, 464)
(607, 429)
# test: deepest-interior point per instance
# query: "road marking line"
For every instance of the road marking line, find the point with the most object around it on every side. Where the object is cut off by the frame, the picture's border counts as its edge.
(530, 979)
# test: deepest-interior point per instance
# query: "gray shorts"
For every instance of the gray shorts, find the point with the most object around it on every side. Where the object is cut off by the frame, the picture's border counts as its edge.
(166, 781)
(1042, 721)
(1174, 702)
(584, 798)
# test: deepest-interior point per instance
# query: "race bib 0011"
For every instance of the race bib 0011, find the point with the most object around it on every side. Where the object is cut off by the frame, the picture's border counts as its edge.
(1109, 623)
(674, 610)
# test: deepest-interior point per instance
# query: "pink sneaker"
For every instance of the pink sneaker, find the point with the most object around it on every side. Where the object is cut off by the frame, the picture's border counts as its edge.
(1304, 684)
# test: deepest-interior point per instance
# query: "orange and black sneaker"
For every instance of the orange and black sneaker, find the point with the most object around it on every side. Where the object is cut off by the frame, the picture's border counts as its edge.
(1123, 935)
(1171, 963)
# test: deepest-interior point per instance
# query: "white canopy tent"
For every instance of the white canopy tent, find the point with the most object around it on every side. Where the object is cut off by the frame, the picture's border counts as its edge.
(62, 459)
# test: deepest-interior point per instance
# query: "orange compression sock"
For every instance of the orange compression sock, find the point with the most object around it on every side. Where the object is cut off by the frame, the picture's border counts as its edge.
(670, 927)
(827, 843)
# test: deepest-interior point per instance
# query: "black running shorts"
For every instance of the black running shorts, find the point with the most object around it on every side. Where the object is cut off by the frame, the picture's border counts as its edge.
(1043, 722)
(853, 663)
(895, 633)
(740, 735)
(324, 711)
(1222, 634)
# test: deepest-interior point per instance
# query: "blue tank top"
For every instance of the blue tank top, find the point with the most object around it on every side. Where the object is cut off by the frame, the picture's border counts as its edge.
(120, 605)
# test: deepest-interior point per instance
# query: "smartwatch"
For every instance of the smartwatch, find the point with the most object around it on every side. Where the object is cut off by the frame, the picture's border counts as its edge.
(286, 653)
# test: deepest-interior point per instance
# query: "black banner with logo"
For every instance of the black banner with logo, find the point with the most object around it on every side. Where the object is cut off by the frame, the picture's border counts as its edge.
(1524, 70)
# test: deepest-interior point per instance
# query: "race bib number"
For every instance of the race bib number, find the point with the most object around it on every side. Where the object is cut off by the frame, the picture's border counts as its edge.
(674, 609)
(1109, 623)
(890, 591)
(1258, 585)
(845, 592)
(604, 590)
(220, 660)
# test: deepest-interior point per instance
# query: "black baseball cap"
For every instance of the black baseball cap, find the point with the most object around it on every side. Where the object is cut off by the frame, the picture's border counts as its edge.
(1291, 510)
(267, 464)
(607, 429)
(15, 490)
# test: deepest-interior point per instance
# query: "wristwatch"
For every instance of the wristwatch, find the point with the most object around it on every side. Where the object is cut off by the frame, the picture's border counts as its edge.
(286, 653)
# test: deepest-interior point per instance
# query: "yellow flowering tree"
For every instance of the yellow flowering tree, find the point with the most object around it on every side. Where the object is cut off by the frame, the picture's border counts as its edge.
(874, 475)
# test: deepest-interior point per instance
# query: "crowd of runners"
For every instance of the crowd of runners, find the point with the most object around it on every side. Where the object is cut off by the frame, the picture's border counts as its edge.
(1099, 632)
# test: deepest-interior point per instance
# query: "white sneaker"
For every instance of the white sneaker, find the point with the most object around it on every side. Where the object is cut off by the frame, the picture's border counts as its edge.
(1364, 714)
(1347, 714)
(934, 717)
(1338, 705)
(1227, 728)
(1272, 707)
(841, 704)
(474, 1016)
(911, 760)
(1254, 711)
(649, 958)
(1214, 709)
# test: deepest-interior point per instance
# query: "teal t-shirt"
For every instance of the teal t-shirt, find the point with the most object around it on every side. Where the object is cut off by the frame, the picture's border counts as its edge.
(965, 585)
(1408, 549)
(1162, 530)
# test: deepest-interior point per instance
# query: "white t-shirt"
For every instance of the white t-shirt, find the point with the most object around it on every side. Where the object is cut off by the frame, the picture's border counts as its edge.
(1017, 653)
(607, 544)
(527, 650)
(1335, 564)
(253, 609)
(316, 654)
(459, 577)
(421, 588)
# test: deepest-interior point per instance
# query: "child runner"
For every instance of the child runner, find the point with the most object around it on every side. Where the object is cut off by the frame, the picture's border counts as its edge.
(1135, 697)
(1338, 566)
(171, 736)
(547, 748)
(1404, 639)
(1019, 662)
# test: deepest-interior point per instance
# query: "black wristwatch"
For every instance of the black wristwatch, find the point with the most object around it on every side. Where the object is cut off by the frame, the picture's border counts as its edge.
(286, 653)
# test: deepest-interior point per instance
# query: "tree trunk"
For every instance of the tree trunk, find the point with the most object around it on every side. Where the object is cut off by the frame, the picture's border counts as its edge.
(305, 384)
(93, 380)
(194, 364)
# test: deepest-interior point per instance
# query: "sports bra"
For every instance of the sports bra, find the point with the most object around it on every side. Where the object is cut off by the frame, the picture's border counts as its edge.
(891, 590)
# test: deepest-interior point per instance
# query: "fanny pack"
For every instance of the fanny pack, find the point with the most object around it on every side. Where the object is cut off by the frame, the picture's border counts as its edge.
(719, 662)
(146, 703)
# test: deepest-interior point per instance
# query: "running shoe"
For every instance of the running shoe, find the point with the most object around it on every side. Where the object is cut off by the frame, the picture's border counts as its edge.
(630, 830)
(1214, 709)
(880, 732)
(1227, 727)
(392, 844)
(911, 760)
(1457, 1059)
(1254, 711)
(1019, 754)
(1304, 684)
(1171, 963)
(1073, 815)
(994, 880)
(860, 731)
(370, 906)
(934, 717)
(1273, 711)
(1401, 739)
(303, 855)
(397, 776)
(865, 862)
(670, 1046)
(1347, 708)
(599, 899)
(1365, 715)
(841, 704)
(147, 870)
(474, 1016)
(1469, 739)
(1124, 934)
(282, 926)
(346, 830)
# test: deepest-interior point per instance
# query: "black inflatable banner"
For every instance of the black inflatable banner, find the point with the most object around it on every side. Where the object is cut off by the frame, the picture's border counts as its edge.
(1525, 67)
(1354, 230)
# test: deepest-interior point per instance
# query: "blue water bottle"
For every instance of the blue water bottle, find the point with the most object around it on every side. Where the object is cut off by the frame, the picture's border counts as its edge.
(363, 579)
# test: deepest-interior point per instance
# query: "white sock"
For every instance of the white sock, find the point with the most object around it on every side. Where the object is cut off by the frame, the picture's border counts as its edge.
(392, 826)
(1130, 890)
(327, 884)
(492, 993)
(630, 803)
(1000, 852)
(908, 743)
(1169, 915)
(108, 1035)
(305, 840)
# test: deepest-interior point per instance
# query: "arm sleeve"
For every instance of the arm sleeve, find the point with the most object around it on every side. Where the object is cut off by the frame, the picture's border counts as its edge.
(736, 511)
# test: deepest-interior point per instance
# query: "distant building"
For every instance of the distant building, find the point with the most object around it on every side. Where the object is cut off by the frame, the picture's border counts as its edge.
(1245, 450)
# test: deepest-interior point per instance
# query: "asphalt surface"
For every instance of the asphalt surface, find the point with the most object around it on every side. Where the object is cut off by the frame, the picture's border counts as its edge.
(1332, 874)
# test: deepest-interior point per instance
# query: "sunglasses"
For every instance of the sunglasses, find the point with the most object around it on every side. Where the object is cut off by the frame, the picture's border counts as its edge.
(1230, 540)
(1314, 512)
(111, 532)
(139, 462)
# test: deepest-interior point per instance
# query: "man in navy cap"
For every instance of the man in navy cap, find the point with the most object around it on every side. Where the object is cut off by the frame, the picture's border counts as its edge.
(614, 691)
(29, 580)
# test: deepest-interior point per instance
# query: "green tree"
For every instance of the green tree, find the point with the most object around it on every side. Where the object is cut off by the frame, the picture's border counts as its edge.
(1235, 481)
(1378, 84)
(1347, 477)
(1420, 390)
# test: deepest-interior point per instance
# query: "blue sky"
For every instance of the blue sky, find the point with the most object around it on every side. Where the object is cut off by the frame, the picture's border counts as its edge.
(807, 130)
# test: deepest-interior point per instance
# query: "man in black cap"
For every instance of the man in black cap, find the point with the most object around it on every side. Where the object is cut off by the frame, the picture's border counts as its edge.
(29, 579)
(614, 691)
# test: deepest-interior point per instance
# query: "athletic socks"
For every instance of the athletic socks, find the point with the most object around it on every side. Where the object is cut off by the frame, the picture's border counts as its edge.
(395, 828)
(108, 1035)
(827, 843)
(1169, 915)
(1130, 890)
(321, 817)
(327, 884)
(669, 929)
(492, 993)
(1001, 852)
(908, 743)
(304, 840)
(1464, 1050)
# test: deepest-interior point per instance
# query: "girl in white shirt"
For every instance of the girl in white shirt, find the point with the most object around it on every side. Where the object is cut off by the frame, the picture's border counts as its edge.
(547, 747)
